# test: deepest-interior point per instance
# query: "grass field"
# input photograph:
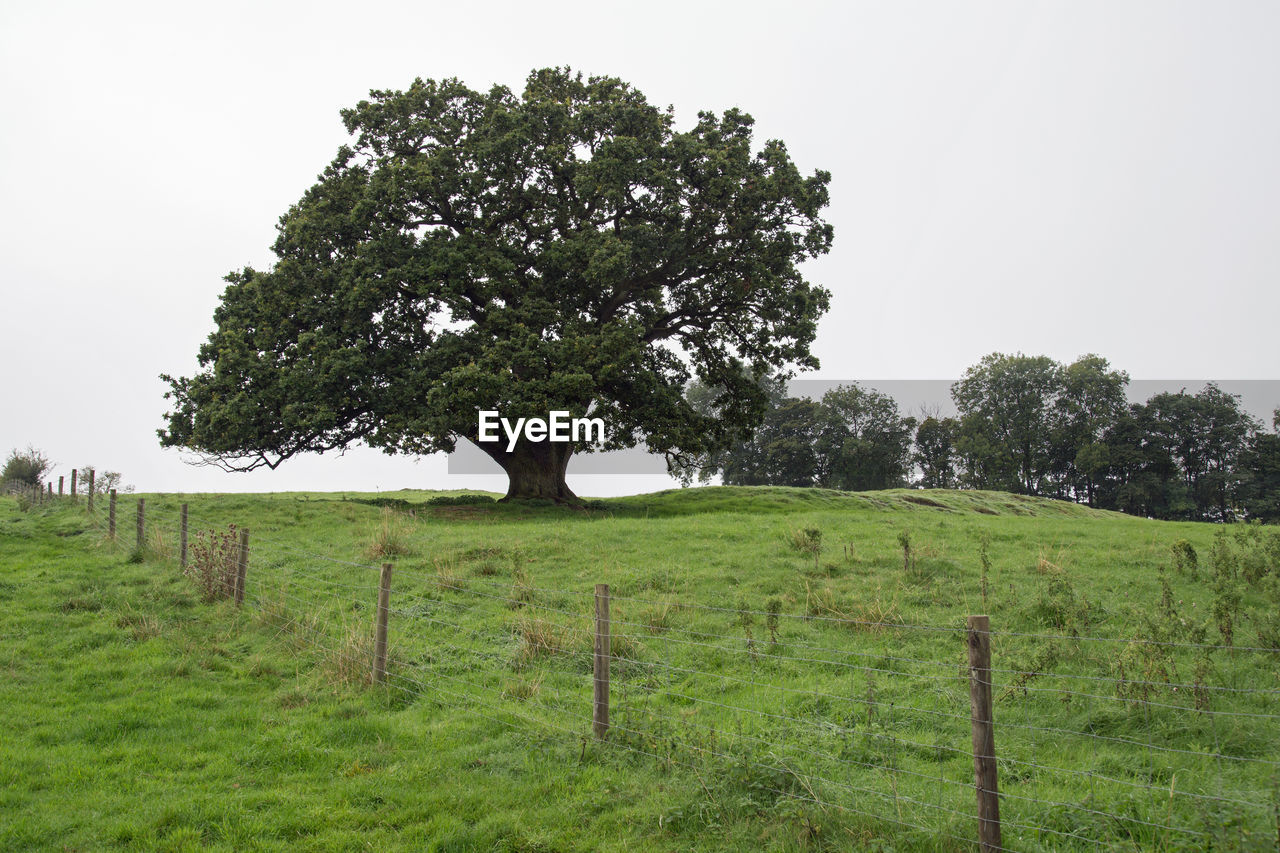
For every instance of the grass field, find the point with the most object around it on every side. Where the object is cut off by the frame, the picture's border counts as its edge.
(789, 674)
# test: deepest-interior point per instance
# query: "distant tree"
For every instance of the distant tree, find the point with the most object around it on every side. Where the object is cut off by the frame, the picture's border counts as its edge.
(702, 398)
(1260, 474)
(26, 466)
(1006, 405)
(936, 453)
(782, 452)
(1141, 476)
(1205, 434)
(864, 442)
(1091, 401)
(105, 481)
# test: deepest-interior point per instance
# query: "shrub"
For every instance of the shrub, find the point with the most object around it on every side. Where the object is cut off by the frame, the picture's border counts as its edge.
(1257, 552)
(459, 500)
(28, 466)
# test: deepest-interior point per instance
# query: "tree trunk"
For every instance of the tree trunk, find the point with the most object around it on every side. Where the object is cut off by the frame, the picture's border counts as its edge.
(534, 469)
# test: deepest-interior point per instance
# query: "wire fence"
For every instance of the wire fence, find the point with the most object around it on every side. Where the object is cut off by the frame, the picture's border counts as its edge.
(1099, 743)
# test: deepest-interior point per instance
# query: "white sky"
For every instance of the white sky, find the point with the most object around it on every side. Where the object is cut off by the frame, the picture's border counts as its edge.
(1054, 178)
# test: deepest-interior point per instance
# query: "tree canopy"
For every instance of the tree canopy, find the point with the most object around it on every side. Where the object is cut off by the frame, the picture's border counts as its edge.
(562, 249)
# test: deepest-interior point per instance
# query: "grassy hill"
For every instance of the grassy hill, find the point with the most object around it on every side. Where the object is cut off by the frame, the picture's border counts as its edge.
(789, 674)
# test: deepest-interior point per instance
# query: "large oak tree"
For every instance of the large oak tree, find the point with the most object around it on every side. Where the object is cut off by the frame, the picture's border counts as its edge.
(563, 249)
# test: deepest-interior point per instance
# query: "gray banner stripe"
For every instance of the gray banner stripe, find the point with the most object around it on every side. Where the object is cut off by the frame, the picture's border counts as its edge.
(916, 397)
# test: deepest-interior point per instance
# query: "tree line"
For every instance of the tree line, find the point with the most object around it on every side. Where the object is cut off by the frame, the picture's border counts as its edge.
(1025, 424)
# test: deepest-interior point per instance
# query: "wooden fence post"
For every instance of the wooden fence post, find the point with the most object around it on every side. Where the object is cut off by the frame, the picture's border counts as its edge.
(380, 637)
(600, 663)
(984, 737)
(242, 565)
(182, 539)
(142, 513)
(60, 485)
(73, 483)
(91, 482)
(111, 516)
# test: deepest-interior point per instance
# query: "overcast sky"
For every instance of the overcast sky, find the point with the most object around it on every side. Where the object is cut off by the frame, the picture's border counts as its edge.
(1052, 178)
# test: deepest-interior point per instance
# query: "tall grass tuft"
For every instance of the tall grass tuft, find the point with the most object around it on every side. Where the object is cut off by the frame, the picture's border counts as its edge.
(350, 660)
(522, 689)
(539, 638)
(159, 547)
(522, 589)
(656, 618)
(141, 626)
(874, 614)
(391, 537)
(446, 575)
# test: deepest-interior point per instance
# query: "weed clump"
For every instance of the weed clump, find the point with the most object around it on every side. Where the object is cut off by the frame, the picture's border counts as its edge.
(213, 563)
(1227, 596)
(904, 542)
(1059, 607)
(1268, 621)
(744, 620)
(773, 610)
(1185, 560)
(808, 540)
(984, 558)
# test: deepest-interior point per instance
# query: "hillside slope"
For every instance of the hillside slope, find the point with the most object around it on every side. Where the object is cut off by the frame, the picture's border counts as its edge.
(788, 673)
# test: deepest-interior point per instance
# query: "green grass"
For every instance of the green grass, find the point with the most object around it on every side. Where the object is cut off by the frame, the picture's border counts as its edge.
(137, 717)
